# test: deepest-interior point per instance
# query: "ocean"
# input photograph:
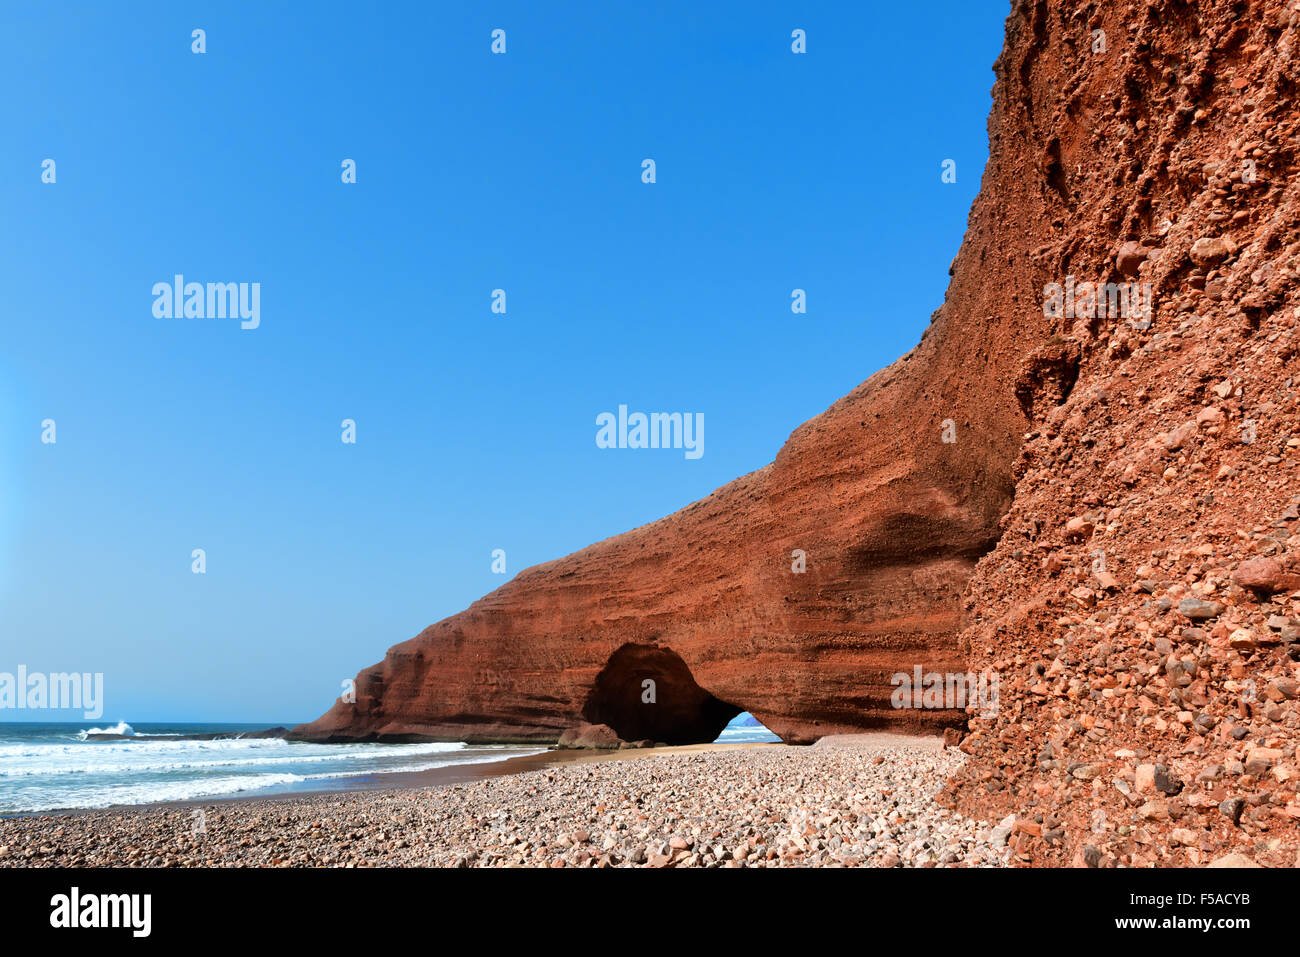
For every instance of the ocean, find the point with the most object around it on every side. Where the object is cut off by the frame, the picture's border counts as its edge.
(62, 766)
(744, 727)
(47, 767)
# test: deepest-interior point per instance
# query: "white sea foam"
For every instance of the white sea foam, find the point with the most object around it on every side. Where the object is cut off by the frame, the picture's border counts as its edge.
(120, 728)
(68, 770)
(95, 796)
(140, 756)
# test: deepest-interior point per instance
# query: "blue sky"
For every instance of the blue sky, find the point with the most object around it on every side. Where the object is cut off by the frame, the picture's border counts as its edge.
(475, 430)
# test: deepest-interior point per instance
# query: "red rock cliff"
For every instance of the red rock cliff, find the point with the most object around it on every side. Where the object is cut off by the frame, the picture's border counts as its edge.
(1141, 605)
(891, 518)
(1106, 164)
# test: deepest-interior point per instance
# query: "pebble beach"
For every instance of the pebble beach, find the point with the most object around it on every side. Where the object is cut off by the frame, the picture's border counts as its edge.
(858, 801)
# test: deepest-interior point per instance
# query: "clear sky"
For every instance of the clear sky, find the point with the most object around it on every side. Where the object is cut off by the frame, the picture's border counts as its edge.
(475, 430)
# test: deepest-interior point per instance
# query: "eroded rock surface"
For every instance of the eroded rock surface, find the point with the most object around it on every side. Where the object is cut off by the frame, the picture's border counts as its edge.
(1136, 475)
(891, 519)
(1142, 604)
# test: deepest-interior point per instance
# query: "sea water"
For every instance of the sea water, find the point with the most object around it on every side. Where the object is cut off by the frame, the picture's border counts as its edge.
(63, 766)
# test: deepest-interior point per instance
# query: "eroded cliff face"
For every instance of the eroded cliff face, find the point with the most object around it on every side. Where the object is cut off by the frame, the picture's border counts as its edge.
(1147, 659)
(1141, 605)
(891, 518)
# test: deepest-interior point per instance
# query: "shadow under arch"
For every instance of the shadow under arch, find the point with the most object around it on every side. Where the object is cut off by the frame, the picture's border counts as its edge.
(646, 692)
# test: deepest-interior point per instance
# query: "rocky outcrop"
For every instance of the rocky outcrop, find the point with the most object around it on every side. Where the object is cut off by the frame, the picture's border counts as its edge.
(599, 737)
(891, 496)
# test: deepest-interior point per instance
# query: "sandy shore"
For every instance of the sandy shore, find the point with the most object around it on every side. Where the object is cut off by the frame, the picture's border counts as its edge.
(866, 800)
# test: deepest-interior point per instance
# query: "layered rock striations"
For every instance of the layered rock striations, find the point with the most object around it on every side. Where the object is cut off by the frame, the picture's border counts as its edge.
(891, 519)
(1115, 531)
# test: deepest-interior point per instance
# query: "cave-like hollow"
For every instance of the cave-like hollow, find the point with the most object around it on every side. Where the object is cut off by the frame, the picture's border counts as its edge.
(645, 691)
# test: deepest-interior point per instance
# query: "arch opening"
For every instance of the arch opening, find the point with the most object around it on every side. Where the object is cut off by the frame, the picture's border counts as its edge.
(646, 692)
(745, 728)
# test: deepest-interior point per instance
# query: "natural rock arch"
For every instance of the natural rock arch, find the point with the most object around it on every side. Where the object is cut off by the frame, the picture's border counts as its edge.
(888, 499)
(647, 692)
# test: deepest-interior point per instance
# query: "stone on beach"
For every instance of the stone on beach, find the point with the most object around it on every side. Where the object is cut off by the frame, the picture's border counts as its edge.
(846, 805)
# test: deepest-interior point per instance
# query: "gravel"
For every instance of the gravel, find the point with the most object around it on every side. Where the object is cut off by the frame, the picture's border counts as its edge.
(867, 805)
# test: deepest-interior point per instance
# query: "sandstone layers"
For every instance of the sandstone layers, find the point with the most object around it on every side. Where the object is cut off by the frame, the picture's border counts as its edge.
(1114, 530)
(704, 602)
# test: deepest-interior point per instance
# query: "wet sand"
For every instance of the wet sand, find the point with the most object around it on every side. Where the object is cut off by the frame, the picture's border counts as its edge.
(407, 780)
(462, 773)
